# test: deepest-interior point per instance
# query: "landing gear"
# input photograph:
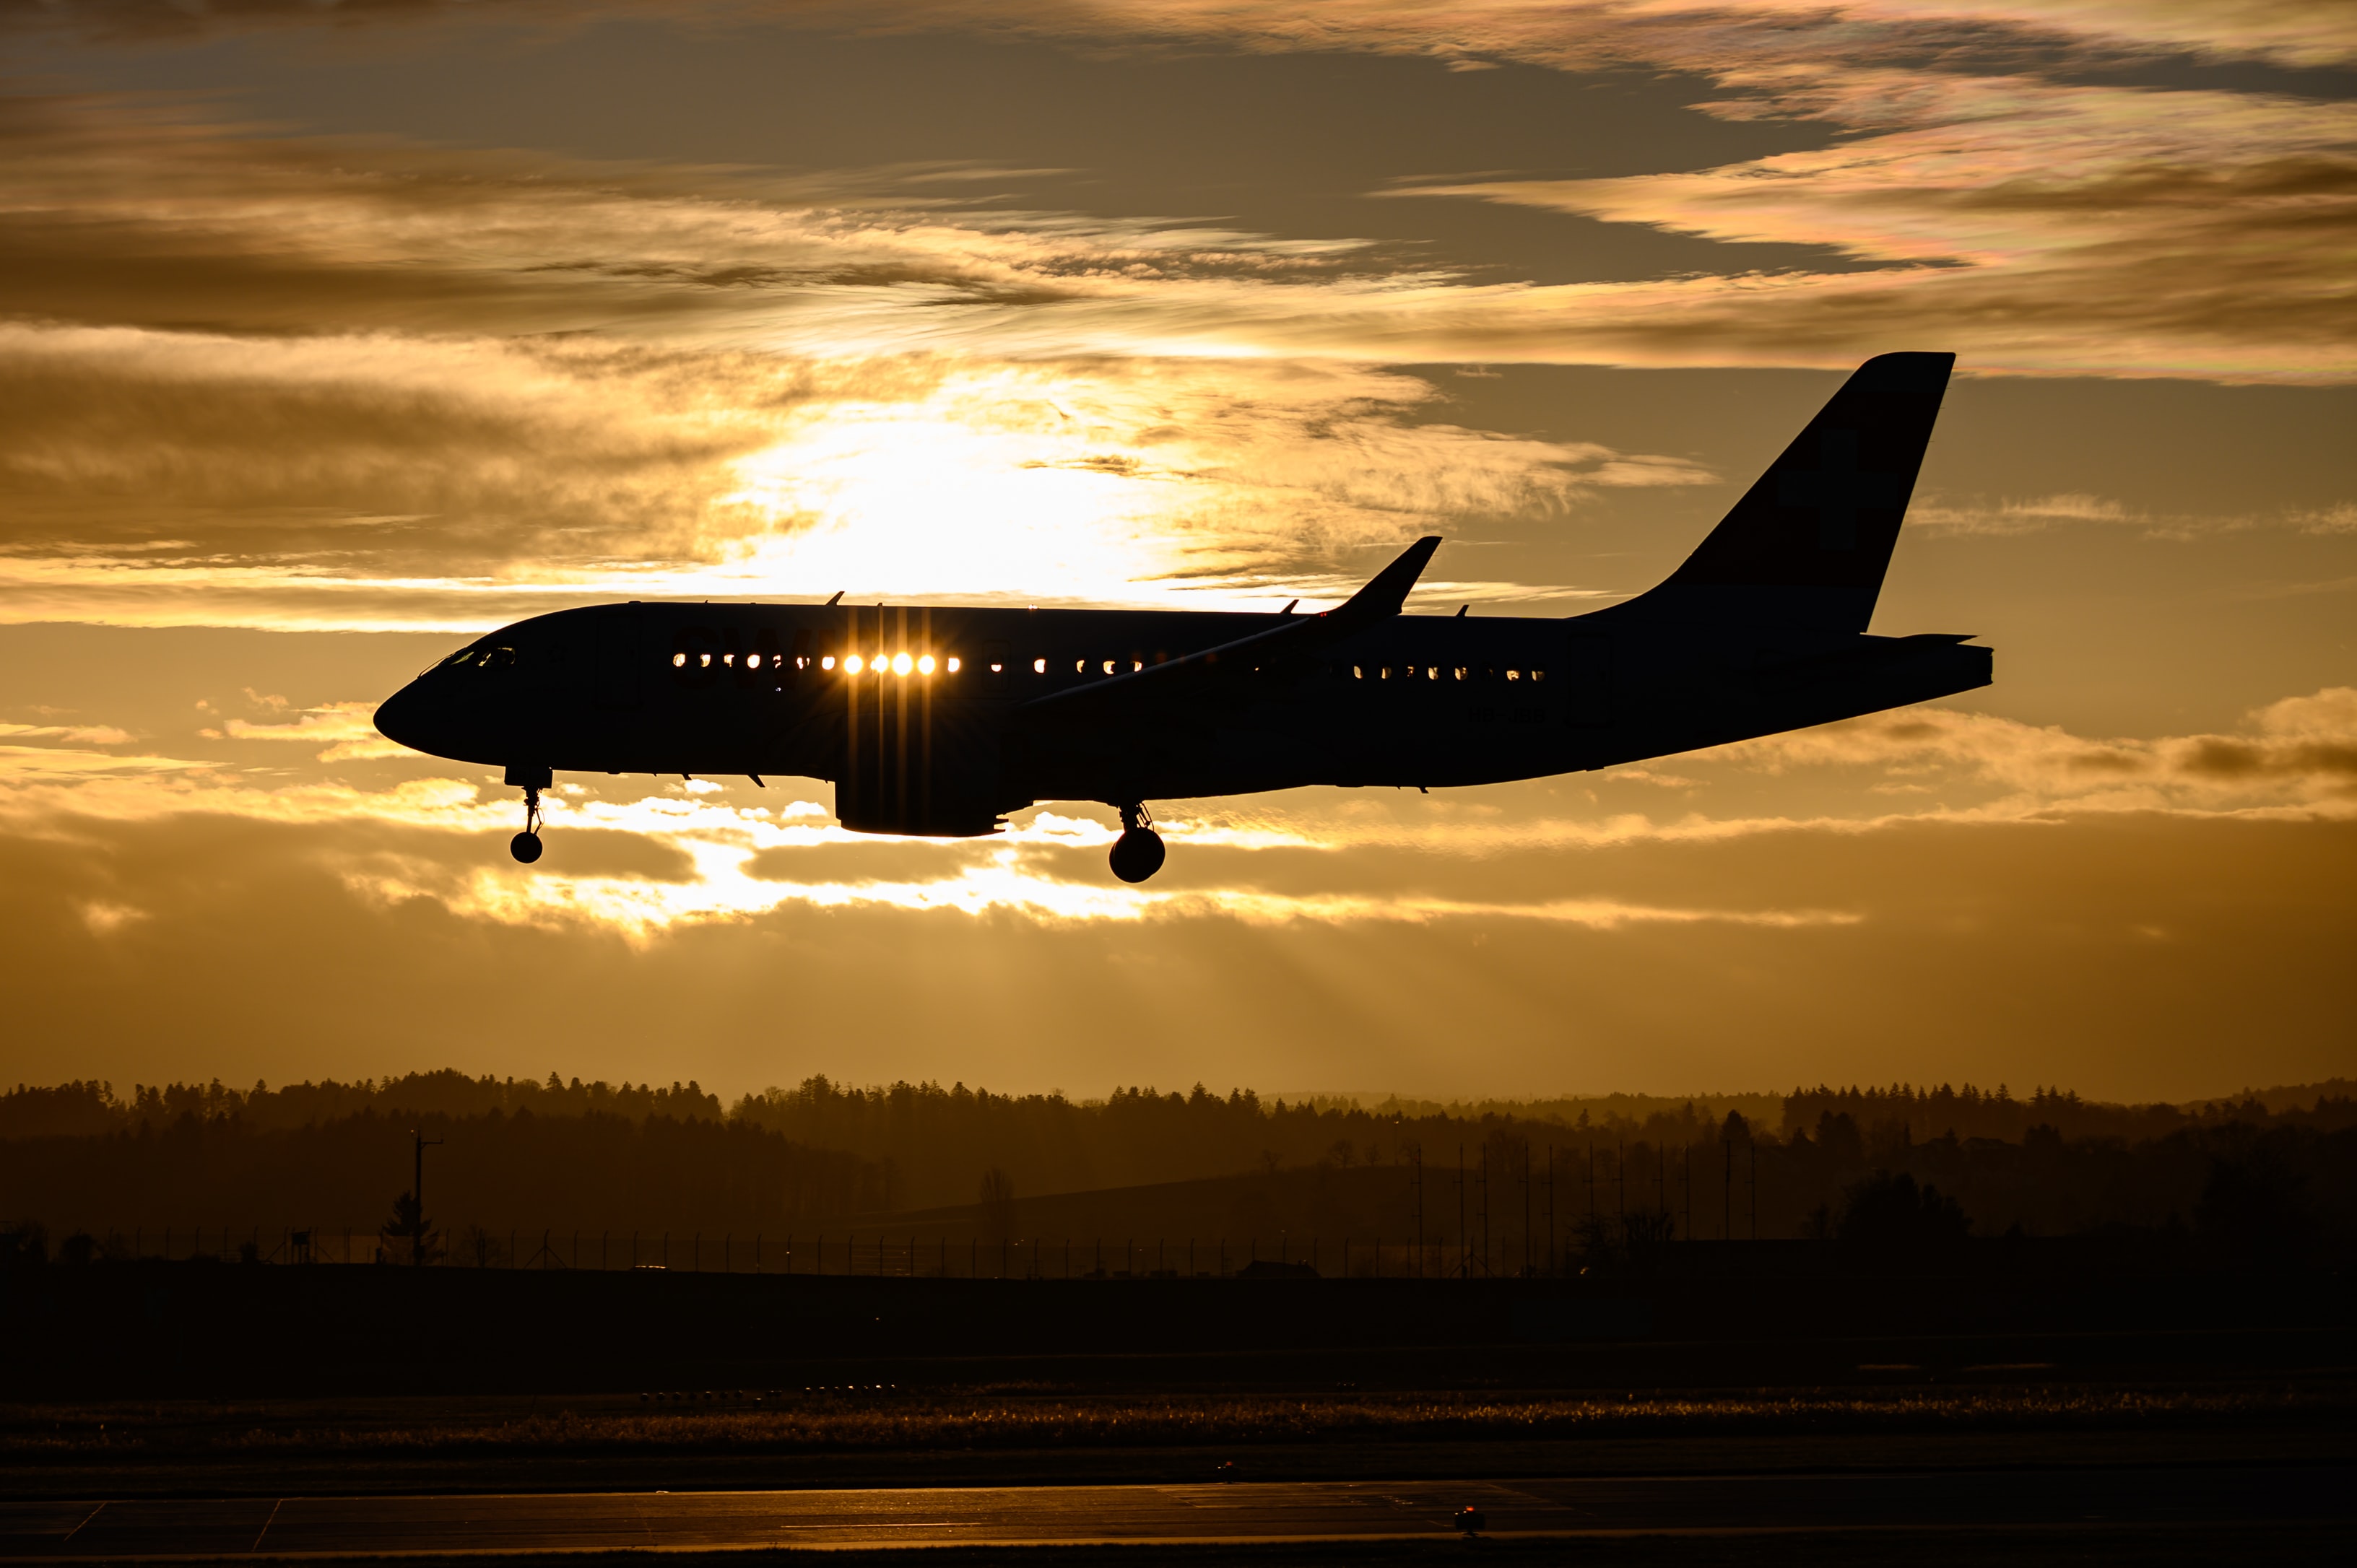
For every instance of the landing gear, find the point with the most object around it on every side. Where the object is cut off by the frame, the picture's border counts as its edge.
(1137, 854)
(526, 846)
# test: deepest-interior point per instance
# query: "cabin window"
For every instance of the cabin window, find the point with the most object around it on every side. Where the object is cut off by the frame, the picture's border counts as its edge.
(1513, 674)
(1538, 674)
(952, 664)
(1038, 667)
(1108, 666)
(827, 662)
(1462, 672)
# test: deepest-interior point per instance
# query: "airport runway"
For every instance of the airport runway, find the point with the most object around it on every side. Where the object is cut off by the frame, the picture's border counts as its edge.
(1263, 1512)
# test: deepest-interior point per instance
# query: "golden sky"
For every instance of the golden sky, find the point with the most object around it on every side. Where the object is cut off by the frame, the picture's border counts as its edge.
(332, 334)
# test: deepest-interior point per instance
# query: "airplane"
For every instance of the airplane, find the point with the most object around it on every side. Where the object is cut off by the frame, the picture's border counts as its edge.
(937, 721)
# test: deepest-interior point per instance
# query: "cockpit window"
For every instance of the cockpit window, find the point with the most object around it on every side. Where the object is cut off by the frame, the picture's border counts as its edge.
(480, 657)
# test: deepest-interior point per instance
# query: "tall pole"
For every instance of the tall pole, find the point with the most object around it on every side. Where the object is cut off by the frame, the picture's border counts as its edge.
(1464, 1247)
(1416, 1156)
(1485, 1208)
(1530, 1262)
(417, 1230)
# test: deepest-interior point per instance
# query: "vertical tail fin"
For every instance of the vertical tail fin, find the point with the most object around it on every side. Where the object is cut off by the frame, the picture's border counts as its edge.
(1816, 533)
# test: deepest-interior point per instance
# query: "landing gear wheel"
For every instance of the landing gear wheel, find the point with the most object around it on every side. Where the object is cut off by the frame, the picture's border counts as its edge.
(1137, 854)
(525, 846)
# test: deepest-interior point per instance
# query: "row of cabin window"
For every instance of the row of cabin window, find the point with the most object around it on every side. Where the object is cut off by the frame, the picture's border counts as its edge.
(1356, 671)
(922, 665)
(1442, 672)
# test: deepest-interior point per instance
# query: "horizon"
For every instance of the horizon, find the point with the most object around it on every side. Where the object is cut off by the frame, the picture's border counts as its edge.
(733, 1099)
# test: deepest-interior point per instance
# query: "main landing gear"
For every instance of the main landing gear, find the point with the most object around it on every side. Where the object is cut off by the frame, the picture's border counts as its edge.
(526, 846)
(1137, 854)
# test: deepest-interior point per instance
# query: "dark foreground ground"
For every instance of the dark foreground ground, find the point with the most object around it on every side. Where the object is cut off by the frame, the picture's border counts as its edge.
(266, 1413)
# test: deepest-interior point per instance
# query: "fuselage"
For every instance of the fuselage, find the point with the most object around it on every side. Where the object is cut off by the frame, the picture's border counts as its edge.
(935, 719)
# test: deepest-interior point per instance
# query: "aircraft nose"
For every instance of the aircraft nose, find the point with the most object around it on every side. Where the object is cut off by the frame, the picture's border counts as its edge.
(403, 718)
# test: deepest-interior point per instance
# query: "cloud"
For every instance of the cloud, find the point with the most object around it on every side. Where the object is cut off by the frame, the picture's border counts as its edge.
(1992, 949)
(348, 729)
(2299, 753)
(2010, 516)
(2075, 33)
(86, 735)
(654, 864)
(393, 481)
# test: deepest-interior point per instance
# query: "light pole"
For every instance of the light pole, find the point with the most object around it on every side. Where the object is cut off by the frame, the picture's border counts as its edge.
(417, 1230)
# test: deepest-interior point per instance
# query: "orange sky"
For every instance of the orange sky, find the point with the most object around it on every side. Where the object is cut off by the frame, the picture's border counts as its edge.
(334, 334)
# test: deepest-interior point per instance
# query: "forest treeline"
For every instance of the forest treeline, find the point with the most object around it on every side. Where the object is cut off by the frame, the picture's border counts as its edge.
(621, 1157)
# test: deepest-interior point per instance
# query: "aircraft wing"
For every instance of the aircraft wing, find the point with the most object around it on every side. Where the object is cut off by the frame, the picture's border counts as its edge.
(1203, 672)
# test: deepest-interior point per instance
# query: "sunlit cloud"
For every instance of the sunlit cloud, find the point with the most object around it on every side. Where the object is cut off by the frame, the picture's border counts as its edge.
(443, 484)
(86, 735)
(684, 856)
(345, 731)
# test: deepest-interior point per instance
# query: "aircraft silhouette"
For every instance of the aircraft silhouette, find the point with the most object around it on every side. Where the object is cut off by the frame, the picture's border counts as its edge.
(938, 720)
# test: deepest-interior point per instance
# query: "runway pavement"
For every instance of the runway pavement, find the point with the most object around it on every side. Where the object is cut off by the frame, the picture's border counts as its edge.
(1263, 1512)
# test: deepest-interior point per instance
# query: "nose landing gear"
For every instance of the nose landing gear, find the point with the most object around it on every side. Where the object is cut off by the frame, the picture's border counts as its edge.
(1137, 854)
(526, 846)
